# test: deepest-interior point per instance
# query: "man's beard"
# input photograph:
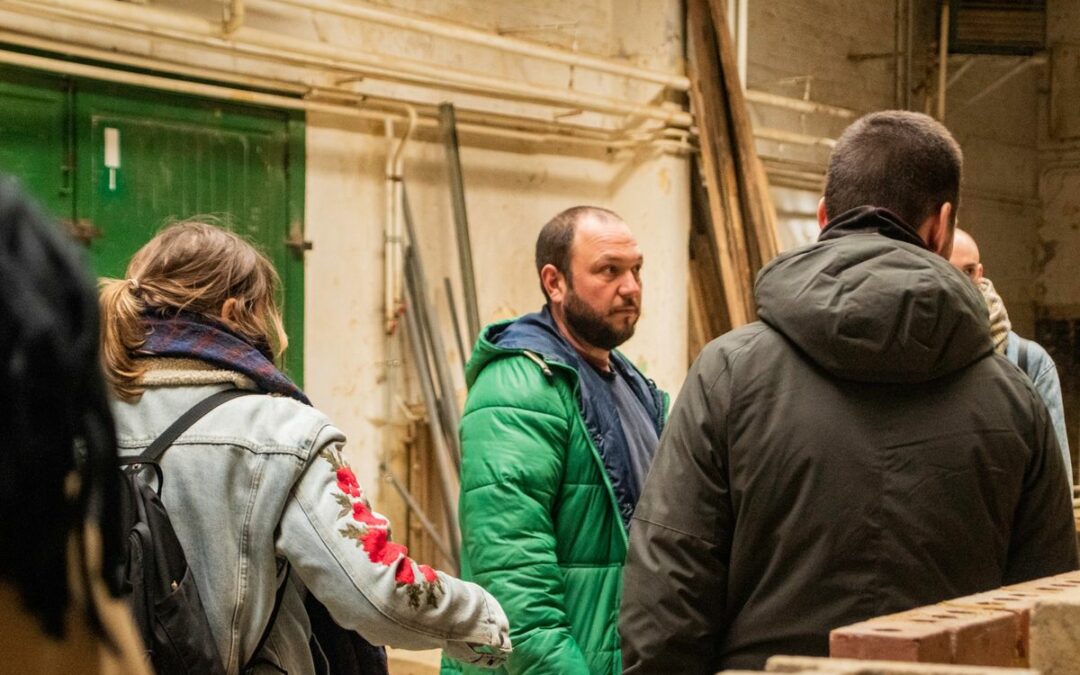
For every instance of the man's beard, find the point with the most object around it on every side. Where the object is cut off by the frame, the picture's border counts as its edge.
(592, 326)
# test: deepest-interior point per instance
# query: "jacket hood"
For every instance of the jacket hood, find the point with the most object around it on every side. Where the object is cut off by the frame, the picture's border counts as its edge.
(869, 302)
(538, 335)
(534, 333)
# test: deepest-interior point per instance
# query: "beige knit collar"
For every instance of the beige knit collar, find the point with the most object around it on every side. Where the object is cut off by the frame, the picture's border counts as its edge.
(165, 372)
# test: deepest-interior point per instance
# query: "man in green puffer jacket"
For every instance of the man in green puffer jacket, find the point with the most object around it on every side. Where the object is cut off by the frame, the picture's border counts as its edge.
(558, 433)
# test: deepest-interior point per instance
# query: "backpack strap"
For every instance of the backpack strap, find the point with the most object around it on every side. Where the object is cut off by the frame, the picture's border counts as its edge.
(153, 453)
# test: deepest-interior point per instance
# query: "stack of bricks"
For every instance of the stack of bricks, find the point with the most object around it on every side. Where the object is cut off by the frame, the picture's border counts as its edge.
(817, 666)
(996, 628)
(1076, 511)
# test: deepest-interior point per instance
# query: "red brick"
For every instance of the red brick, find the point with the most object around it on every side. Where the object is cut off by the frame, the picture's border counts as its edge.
(934, 634)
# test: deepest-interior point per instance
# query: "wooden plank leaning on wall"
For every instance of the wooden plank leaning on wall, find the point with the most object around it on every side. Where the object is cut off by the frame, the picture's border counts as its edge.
(734, 230)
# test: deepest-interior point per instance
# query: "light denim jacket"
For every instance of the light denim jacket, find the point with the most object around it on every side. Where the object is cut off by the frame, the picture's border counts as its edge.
(260, 480)
(1044, 375)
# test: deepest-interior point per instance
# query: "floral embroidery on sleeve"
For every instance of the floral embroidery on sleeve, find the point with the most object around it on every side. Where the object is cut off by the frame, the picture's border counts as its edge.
(372, 534)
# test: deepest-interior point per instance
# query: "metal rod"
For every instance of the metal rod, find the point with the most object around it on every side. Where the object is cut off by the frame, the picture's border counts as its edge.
(457, 326)
(442, 453)
(461, 33)
(279, 47)
(742, 41)
(993, 86)
(448, 127)
(234, 17)
(959, 72)
(943, 60)
(909, 38)
(897, 95)
(288, 103)
(415, 507)
(451, 414)
(798, 104)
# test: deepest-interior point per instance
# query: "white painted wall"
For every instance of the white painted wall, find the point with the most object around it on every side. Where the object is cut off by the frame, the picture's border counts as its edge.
(512, 189)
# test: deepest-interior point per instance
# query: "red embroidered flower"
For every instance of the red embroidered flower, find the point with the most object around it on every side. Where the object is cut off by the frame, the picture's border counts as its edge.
(347, 482)
(362, 514)
(380, 549)
(405, 574)
(429, 574)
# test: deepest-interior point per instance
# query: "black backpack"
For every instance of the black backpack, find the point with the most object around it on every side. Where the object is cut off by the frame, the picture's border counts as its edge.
(158, 583)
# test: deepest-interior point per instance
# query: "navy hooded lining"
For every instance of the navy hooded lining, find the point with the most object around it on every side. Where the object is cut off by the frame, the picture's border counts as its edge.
(538, 333)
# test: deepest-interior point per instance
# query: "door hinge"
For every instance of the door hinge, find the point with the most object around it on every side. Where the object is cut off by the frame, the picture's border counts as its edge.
(296, 242)
(82, 230)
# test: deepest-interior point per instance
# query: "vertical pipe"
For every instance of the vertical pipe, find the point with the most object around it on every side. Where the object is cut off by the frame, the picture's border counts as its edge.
(908, 41)
(442, 453)
(742, 41)
(390, 242)
(943, 60)
(898, 93)
(414, 268)
(448, 126)
(234, 17)
(454, 317)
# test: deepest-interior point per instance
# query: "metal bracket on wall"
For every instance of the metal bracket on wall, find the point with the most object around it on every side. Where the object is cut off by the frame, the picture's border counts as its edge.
(82, 230)
(296, 242)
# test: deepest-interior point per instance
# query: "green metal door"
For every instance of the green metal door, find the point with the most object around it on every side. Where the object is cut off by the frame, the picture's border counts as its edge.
(146, 160)
(35, 137)
(121, 162)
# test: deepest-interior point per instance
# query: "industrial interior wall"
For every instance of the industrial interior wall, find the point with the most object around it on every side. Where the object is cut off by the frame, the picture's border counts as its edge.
(854, 54)
(1059, 163)
(999, 202)
(844, 53)
(511, 190)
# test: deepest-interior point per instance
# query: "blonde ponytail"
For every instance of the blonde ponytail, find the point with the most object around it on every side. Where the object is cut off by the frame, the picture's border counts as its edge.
(195, 267)
(122, 333)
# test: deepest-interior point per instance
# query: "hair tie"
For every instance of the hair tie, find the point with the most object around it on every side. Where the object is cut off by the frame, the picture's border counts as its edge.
(134, 283)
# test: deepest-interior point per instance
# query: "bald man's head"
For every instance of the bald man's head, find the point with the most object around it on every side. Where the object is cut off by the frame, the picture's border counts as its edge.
(965, 256)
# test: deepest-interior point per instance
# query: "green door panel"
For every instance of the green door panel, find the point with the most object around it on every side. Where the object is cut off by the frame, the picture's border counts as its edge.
(176, 157)
(35, 137)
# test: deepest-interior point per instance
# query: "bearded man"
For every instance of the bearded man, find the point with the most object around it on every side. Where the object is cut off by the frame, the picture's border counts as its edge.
(558, 433)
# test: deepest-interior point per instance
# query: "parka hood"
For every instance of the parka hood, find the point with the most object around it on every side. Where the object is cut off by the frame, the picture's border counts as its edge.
(869, 302)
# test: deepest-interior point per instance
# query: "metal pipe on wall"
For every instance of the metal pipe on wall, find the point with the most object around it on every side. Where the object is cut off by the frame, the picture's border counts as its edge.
(448, 129)
(742, 34)
(278, 47)
(431, 26)
(285, 102)
(234, 17)
(943, 60)
(451, 415)
(443, 464)
(799, 105)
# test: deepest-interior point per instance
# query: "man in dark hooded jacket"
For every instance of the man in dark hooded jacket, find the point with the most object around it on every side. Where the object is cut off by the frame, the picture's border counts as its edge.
(861, 450)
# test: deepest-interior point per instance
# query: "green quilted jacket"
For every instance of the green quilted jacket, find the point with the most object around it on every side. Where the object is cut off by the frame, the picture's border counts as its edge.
(543, 521)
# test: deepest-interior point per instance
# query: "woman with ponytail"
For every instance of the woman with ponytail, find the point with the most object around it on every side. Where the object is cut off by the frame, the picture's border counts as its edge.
(259, 485)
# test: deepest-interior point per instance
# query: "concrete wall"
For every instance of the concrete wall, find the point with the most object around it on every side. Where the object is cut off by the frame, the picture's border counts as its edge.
(843, 52)
(1000, 196)
(1059, 164)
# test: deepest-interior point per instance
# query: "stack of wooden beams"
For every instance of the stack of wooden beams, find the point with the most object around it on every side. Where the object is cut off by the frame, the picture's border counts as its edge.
(734, 223)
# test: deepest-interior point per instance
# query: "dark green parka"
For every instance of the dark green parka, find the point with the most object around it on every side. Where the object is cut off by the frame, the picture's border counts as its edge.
(859, 451)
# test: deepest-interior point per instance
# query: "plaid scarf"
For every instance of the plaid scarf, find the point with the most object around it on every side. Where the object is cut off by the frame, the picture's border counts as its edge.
(186, 335)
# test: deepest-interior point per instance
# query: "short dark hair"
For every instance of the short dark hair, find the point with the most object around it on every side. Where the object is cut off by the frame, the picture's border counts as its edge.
(553, 246)
(902, 161)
